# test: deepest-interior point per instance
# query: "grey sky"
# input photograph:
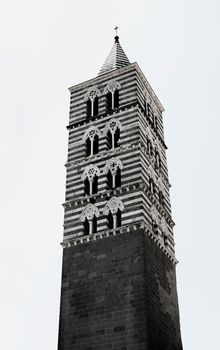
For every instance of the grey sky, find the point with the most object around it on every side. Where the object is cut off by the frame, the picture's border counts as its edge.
(47, 46)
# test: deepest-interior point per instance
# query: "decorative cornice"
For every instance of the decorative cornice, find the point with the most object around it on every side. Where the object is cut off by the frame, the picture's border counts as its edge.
(101, 78)
(123, 108)
(121, 230)
(112, 153)
(116, 111)
(113, 74)
(106, 194)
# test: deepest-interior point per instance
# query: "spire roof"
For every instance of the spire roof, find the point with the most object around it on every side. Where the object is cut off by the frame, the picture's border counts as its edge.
(116, 58)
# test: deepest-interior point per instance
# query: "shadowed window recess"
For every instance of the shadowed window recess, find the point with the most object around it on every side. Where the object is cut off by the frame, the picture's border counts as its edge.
(90, 178)
(113, 169)
(92, 102)
(89, 217)
(113, 210)
(113, 133)
(91, 139)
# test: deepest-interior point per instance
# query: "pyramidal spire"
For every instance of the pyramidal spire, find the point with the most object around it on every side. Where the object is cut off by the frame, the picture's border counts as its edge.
(116, 58)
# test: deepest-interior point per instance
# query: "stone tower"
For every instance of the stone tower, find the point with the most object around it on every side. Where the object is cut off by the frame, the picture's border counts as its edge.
(118, 278)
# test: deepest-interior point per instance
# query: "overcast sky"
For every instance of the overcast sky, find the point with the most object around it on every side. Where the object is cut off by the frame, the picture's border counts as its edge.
(47, 46)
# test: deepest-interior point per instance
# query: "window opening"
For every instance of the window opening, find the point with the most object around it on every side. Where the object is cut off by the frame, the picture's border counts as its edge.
(89, 108)
(110, 221)
(88, 147)
(96, 106)
(116, 98)
(109, 101)
(95, 185)
(96, 144)
(117, 138)
(86, 187)
(86, 227)
(118, 178)
(109, 139)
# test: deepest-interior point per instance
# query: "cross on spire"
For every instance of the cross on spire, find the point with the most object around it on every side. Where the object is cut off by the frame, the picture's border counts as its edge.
(116, 30)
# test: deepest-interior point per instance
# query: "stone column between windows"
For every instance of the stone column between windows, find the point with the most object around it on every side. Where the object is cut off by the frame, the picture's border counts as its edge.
(114, 220)
(90, 186)
(113, 181)
(90, 226)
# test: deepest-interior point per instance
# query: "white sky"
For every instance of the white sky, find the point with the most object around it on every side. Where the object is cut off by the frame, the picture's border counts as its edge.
(47, 46)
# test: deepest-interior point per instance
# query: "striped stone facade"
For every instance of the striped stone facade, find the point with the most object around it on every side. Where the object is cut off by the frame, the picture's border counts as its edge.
(118, 278)
(139, 166)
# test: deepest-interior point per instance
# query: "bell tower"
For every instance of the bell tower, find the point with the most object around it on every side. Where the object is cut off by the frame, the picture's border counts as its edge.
(118, 277)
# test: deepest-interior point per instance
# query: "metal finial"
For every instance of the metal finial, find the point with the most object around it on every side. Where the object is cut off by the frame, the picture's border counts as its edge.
(116, 31)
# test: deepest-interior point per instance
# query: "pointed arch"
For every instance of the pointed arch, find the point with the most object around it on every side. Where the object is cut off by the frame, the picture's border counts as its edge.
(113, 205)
(112, 210)
(91, 98)
(89, 217)
(112, 94)
(90, 178)
(89, 212)
(113, 130)
(91, 139)
(113, 169)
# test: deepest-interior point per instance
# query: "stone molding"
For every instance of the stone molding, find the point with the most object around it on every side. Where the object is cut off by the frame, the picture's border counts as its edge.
(92, 93)
(90, 172)
(113, 74)
(111, 87)
(120, 230)
(89, 212)
(113, 205)
(112, 165)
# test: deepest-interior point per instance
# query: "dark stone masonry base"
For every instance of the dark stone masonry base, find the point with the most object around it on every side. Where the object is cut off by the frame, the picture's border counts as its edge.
(118, 293)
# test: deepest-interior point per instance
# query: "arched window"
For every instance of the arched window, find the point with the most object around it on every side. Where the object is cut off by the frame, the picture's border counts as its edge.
(110, 221)
(88, 108)
(91, 139)
(113, 169)
(116, 99)
(96, 144)
(86, 227)
(89, 217)
(117, 137)
(109, 101)
(109, 139)
(112, 210)
(88, 146)
(92, 101)
(112, 131)
(112, 95)
(90, 178)
(96, 106)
